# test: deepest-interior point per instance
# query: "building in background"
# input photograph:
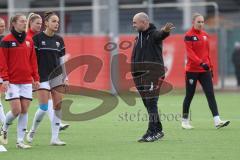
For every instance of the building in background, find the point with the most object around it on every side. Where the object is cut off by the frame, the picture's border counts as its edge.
(92, 17)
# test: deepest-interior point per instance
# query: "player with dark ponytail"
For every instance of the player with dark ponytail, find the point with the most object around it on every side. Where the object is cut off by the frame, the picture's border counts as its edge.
(50, 51)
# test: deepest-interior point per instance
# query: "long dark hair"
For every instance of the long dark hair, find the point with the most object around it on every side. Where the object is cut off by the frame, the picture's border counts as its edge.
(48, 15)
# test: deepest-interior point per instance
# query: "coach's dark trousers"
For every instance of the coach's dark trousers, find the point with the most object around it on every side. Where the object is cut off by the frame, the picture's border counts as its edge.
(205, 79)
(150, 102)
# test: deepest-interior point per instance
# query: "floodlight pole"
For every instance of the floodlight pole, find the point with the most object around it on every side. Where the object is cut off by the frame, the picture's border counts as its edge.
(114, 37)
(62, 16)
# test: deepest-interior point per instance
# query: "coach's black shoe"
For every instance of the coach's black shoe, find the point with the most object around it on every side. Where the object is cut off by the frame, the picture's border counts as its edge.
(158, 135)
(147, 137)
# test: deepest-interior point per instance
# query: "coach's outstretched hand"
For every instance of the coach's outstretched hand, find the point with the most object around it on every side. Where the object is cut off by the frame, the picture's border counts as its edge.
(168, 27)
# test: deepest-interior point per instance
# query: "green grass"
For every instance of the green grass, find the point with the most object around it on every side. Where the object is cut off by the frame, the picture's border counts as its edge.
(112, 136)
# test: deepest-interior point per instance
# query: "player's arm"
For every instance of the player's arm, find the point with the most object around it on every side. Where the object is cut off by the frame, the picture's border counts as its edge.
(35, 42)
(3, 60)
(34, 65)
(3, 65)
(210, 61)
(62, 59)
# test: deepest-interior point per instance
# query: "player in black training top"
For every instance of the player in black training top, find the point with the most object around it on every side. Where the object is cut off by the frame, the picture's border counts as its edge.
(50, 52)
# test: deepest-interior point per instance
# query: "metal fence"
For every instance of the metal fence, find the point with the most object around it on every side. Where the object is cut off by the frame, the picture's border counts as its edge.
(95, 20)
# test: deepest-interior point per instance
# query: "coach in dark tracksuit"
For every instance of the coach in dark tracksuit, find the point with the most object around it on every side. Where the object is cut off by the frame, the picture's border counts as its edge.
(148, 48)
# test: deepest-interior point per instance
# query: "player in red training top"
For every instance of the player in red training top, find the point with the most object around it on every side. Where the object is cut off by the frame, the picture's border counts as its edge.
(199, 68)
(34, 24)
(19, 70)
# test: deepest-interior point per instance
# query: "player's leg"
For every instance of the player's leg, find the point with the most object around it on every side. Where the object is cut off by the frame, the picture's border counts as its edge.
(10, 117)
(2, 114)
(190, 82)
(25, 99)
(63, 126)
(57, 96)
(43, 96)
(13, 96)
(22, 124)
(207, 85)
(50, 108)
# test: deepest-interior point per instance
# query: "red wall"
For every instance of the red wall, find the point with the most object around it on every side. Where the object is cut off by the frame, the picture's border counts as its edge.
(173, 52)
(89, 45)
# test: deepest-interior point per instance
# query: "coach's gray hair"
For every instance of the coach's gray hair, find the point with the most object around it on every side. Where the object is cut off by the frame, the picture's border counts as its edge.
(142, 16)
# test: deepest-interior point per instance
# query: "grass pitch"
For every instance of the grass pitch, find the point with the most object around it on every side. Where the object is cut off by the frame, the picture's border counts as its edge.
(114, 135)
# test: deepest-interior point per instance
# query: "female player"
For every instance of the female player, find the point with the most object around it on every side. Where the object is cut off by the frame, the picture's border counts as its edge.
(50, 51)
(2, 29)
(19, 70)
(34, 25)
(2, 114)
(199, 68)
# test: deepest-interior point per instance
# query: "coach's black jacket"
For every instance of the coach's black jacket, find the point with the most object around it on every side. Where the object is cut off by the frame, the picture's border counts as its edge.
(148, 48)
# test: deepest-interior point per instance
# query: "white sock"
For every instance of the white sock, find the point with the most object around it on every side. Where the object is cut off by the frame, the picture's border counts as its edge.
(22, 126)
(56, 124)
(216, 120)
(37, 119)
(9, 118)
(50, 109)
(185, 121)
(2, 114)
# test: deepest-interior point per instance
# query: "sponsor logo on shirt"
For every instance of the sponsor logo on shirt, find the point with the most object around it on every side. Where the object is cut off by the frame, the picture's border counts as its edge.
(43, 43)
(14, 44)
(195, 38)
